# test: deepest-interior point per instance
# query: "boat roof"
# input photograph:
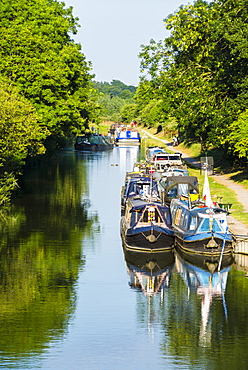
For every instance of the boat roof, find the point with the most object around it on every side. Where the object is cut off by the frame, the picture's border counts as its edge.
(198, 207)
(192, 180)
(139, 203)
(141, 179)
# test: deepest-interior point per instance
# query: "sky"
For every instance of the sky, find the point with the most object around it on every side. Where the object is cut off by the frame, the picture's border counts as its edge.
(112, 31)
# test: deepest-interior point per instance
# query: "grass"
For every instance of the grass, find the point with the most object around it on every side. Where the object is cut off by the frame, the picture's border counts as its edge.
(228, 196)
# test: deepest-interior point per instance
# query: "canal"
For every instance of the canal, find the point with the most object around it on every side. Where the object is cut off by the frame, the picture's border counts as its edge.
(71, 299)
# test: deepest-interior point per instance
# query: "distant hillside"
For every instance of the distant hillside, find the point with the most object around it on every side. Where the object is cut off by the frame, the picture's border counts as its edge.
(116, 88)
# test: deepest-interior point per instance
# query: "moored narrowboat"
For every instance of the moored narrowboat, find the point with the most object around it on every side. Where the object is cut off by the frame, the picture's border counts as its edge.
(146, 226)
(93, 142)
(138, 185)
(199, 228)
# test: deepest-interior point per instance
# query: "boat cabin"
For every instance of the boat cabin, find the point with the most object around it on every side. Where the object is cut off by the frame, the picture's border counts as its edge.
(140, 213)
(151, 151)
(128, 136)
(199, 219)
(167, 159)
(175, 186)
(138, 186)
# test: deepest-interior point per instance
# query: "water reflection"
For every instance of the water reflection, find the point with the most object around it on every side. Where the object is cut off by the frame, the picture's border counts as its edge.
(41, 256)
(149, 272)
(201, 276)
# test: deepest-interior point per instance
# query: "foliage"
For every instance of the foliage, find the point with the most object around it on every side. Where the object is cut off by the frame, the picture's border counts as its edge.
(113, 97)
(8, 183)
(111, 107)
(20, 133)
(115, 88)
(128, 112)
(198, 75)
(20, 136)
(50, 70)
(238, 139)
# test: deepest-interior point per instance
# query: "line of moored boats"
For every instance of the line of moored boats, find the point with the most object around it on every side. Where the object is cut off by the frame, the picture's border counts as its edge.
(161, 208)
(118, 135)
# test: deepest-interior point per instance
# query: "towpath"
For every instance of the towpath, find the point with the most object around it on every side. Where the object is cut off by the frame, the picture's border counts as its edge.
(235, 226)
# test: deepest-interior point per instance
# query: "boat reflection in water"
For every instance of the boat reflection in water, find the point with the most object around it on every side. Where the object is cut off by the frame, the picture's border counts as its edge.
(203, 276)
(149, 272)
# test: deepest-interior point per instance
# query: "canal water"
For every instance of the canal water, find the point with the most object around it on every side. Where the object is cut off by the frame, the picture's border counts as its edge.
(71, 299)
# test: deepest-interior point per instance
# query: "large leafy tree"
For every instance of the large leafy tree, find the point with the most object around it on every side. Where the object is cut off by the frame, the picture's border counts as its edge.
(200, 71)
(20, 136)
(38, 54)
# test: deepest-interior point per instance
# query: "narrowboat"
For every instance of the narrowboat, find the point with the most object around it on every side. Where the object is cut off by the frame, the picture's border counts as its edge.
(159, 157)
(93, 142)
(200, 228)
(151, 151)
(146, 226)
(138, 185)
(127, 136)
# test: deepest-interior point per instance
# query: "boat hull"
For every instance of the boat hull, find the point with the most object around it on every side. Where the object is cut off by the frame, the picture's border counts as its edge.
(88, 147)
(127, 142)
(148, 239)
(203, 245)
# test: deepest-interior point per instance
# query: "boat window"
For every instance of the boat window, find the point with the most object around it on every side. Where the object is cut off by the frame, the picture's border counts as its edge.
(193, 223)
(172, 193)
(173, 212)
(151, 214)
(185, 218)
(178, 216)
(133, 218)
(216, 226)
(206, 225)
(183, 189)
(167, 216)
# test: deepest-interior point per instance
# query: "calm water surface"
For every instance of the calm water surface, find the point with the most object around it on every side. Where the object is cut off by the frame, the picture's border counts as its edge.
(71, 299)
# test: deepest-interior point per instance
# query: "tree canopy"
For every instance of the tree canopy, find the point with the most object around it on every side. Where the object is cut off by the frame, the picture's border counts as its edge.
(198, 75)
(39, 56)
(115, 99)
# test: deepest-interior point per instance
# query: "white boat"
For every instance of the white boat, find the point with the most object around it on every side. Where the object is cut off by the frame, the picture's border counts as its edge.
(161, 160)
(127, 136)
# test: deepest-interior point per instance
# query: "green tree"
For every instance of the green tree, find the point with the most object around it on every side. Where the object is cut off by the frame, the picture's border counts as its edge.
(37, 53)
(20, 136)
(129, 113)
(115, 88)
(238, 139)
(199, 71)
(20, 133)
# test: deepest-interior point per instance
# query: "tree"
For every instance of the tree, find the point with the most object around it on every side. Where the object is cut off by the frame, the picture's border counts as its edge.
(20, 136)
(20, 133)
(238, 139)
(200, 71)
(37, 53)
